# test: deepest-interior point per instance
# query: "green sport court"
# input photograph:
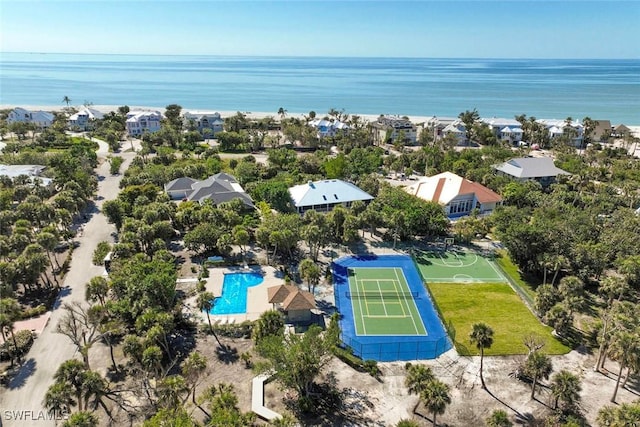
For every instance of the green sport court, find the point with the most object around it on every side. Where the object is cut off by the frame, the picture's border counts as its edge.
(457, 266)
(383, 303)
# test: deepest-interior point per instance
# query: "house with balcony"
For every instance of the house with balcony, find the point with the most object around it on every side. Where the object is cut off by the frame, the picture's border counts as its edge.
(457, 129)
(141, 122)
(457, 195)
(388, 128)
(506, 130)
(539, 169)
(82, 120)
(41, 119)
(328, 128)
(207, 123)
(557, 128)
(323, 196)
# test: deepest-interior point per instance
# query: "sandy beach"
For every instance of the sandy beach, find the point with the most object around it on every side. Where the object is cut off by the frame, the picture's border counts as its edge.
(103, 108)
(249, 114)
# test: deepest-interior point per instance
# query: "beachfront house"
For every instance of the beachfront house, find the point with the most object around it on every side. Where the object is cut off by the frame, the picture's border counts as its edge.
(602, 131)
(323, 196)
(207, 123)
(32, 173)
(557, 128)
(141, 122)
(539, 169)
(218, 188)
(328, 128)
(458, 130)
(41, 119)
(506, 130)
(388, 129)
(457, 195)
(437, 124)
(82, 120)
(294, 303)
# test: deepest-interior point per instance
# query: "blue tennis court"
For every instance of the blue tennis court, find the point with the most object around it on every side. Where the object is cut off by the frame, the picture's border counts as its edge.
(386, 311)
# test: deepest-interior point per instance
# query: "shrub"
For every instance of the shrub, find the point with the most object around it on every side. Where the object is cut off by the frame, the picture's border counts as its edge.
(101, 251)
(33, 312)
(24, 340)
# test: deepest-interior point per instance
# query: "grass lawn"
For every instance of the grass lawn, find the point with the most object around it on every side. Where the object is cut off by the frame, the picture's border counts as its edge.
(496, 305)
(505, 262)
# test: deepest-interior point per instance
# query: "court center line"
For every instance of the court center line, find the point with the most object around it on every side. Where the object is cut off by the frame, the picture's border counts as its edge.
(384, 306)
(395, 286)
(413, 320)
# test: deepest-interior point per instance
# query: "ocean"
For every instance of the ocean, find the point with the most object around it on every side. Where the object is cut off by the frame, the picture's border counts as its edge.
(552, 88)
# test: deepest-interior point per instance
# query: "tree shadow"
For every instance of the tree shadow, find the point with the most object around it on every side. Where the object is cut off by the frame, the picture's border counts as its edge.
(64, 291)
(526, 419)
(329, 405)
(503, 402)
(27, 369)
(227, 354)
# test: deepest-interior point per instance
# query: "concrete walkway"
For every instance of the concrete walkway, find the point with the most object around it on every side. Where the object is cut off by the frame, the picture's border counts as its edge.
(257, 398)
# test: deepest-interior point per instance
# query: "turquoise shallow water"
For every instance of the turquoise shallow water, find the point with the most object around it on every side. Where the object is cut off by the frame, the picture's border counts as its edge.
(601, 89)
(234, 293)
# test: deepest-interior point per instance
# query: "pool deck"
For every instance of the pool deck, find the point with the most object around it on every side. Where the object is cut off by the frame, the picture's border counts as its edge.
(257, 299)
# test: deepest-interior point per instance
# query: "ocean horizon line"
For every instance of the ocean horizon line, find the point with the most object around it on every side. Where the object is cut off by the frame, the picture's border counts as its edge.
(213, 55)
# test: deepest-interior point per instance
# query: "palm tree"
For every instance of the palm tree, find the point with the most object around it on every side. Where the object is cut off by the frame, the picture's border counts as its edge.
(417, 379)
(82, 419)
(66, 100)
(498, 418)
(59, 398)
(565, 388)
(309, 272)
(482, 336)
(623, 345)
(72, 373)
(282, 113)
(205, 303)
(469, 118)
(436, 398)
(538, 365)
(9, 313)
(269, 323)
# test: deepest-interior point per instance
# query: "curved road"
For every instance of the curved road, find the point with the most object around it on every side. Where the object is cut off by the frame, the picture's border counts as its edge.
(21, 400)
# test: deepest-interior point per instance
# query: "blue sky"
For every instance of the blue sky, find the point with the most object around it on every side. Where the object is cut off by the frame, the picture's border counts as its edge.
(479, 29)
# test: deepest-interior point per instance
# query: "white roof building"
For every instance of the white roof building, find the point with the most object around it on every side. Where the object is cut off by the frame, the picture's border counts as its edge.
(32, 171)
(83, 118)
(328, 128)
(42, 119)
(141, 122)
(210, 120)
(323, 196)
(540, 169)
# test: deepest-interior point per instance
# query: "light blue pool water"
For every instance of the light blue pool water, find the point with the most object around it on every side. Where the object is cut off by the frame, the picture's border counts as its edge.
(234, 293)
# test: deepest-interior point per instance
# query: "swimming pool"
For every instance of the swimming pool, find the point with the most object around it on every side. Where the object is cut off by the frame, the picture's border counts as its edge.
(234, 293)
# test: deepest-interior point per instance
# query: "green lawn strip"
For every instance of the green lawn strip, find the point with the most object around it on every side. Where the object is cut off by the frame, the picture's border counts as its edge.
(504, 261)
(497, 305)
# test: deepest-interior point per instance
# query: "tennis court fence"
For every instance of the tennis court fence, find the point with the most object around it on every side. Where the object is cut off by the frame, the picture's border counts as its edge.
(404, 349)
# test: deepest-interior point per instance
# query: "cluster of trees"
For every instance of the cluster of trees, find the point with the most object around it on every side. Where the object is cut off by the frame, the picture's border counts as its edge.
(35, 219)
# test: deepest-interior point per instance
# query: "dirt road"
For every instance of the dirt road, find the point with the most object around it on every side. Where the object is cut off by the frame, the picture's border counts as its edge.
(21, 402)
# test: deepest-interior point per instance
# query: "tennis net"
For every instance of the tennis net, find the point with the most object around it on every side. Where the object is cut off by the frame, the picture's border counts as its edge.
(382, 295)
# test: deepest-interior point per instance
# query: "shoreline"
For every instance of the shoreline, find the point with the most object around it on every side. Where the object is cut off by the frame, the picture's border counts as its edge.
(257, 115)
